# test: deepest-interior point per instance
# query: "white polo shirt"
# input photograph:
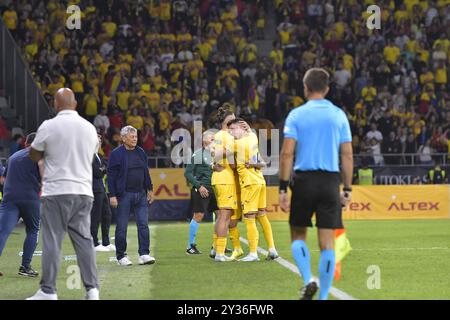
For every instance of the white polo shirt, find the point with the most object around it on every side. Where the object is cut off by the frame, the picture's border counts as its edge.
(69, 143)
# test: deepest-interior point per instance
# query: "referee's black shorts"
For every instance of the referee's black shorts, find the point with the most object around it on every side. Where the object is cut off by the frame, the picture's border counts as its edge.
(204, 205)
(316, 192)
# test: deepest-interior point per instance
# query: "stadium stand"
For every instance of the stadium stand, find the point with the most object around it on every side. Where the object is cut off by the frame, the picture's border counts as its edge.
(160, 65)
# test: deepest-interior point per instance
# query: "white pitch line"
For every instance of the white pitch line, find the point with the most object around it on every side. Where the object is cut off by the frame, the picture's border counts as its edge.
(152, 230)
(339, 294)
(394, 249)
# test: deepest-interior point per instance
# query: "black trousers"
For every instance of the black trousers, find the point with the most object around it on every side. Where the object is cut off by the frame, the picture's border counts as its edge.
(101, 213)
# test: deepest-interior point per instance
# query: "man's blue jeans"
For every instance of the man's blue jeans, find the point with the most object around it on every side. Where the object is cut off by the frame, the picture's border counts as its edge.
(130, 202)
(10, 212)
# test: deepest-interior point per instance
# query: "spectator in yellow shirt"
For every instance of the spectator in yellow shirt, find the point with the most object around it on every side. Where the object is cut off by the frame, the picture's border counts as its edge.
(123, 98)
(231, 74)
(10, 18)
(109, 27)
(165, 118)
(183, 35)
(153, 99)
(276, 55)
(441, 74)
(77, 80)
(391, 52)
(260, 24)
(56, 84)
(369, 92)
(58, 39)
(215, 25)
(205, 49)
(135, 119)
(427, 77)
(401, 14)
(90, 104)
(31, 50)
(165, 12)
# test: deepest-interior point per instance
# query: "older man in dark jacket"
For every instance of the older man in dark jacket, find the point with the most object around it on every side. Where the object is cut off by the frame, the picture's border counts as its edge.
(130, 190)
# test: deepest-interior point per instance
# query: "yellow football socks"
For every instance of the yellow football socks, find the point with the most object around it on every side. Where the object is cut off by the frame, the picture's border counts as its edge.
(267, 228)
(221, 244)
(234, 237)
(252, 234)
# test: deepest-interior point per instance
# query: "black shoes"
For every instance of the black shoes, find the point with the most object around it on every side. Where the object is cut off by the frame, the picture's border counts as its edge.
(309, 291)
(193, 250)
(27, 272)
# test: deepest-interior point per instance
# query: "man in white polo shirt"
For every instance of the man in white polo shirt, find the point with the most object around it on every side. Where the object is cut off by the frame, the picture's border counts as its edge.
(67, 143)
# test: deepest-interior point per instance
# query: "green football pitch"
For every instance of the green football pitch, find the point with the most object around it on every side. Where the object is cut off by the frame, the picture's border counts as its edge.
(406, 259)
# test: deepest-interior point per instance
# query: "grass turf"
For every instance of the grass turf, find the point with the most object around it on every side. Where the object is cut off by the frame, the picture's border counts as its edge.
(412, 257)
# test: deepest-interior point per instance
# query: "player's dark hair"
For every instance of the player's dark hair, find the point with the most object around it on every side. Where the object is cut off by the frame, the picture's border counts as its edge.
(30, 138)
(223, 112)
(234, 121)
(316, 80)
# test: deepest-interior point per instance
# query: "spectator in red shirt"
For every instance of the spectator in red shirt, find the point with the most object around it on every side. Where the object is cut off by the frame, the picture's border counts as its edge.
(148, 139)
(116, 119)
(4, 132)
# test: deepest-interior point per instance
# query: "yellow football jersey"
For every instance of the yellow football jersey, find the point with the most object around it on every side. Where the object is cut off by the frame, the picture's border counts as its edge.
(223, 141)
(247, 151)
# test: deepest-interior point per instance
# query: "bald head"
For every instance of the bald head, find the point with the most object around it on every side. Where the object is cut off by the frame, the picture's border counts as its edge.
(65, 100)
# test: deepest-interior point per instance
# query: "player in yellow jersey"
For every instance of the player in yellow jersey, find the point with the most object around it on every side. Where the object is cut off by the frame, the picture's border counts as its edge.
(253, 188)
(223, 182)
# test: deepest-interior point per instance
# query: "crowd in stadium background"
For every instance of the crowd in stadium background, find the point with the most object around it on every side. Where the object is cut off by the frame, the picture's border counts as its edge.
(160, 65)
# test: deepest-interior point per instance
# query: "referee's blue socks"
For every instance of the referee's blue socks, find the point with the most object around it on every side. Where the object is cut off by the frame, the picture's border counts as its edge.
(301, 256)
(193, 227)
(327, 264)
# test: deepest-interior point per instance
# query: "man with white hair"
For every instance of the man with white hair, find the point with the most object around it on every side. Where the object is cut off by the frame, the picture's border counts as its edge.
(130, 190)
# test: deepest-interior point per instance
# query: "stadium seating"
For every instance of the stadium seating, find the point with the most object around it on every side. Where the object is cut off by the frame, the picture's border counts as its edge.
(191, 55)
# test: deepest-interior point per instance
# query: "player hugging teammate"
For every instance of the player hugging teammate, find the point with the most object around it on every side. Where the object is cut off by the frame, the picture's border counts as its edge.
(239, 187)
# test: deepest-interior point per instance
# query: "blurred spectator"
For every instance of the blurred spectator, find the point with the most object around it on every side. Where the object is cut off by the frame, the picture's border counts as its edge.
(374, 133)
(392, 149)
(374, 148)
(101, 121)
(148, 139)
(16, 144)
(425, 152)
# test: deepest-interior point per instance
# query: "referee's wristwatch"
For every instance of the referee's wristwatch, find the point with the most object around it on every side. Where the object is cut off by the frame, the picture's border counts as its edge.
(347, 192)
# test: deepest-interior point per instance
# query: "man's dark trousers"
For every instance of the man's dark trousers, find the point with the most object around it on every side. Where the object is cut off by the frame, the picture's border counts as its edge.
(101, 213)
(130, 202)
(10, 212)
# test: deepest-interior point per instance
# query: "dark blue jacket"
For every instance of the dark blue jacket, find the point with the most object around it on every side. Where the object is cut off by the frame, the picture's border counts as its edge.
(98, 172)
(118, 168)
(23, 181)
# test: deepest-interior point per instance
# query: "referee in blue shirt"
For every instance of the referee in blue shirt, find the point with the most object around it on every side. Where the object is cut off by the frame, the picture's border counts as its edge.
(317, 133)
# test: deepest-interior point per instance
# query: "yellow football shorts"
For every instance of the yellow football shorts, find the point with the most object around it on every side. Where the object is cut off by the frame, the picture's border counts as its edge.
(237, 213)
(226, 196)
(253, 198)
